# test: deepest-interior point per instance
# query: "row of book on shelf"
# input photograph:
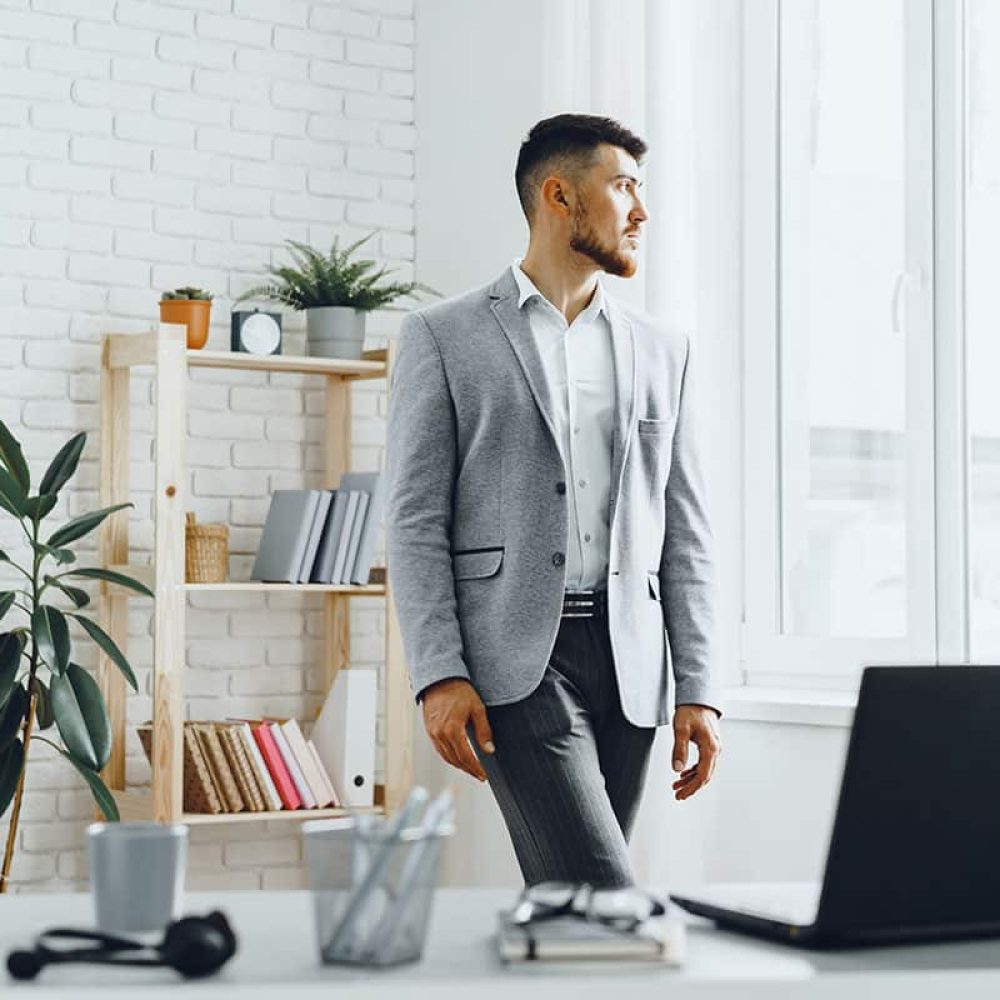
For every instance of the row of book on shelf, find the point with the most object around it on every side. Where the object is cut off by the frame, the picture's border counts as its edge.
(322, 536)
(267, 765)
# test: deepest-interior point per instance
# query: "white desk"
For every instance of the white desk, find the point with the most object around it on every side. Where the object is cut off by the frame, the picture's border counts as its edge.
(278, 958)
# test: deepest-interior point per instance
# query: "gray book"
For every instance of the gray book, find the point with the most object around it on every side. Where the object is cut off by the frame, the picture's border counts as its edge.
(285, 536)
(352, 545)
(374, 484)
(312, 546)
(345, 536)
(323, 566)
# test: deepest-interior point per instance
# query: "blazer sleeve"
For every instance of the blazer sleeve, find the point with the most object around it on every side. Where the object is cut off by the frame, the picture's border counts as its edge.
(421, 461)
(687, 563)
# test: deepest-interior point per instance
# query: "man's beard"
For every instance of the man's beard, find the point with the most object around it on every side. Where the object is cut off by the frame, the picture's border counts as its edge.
(609, 258)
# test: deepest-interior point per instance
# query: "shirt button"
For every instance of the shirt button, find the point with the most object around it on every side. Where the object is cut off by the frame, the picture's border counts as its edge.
(586, 537)
(583, 482)
(558, 559)
(576, 430)
(560, 487)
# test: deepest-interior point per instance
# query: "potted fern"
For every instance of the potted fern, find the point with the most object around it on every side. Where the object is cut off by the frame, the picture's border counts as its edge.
(40, 684)
(336, 292)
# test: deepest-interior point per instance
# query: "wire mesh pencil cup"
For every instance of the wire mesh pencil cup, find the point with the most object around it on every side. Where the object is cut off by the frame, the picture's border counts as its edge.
(372, 893)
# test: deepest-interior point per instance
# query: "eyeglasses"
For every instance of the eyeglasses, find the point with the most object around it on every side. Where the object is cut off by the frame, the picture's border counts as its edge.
(623, 909)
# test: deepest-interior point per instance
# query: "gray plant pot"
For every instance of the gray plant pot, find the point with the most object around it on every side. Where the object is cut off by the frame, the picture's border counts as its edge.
(335, 332)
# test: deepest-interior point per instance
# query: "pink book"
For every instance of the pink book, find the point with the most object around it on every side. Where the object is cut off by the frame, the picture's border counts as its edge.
(276, 765)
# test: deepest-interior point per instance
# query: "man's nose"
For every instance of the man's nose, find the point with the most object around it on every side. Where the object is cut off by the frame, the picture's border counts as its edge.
(639, 213)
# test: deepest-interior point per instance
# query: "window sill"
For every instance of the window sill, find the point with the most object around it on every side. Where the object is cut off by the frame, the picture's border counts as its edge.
(790, 706)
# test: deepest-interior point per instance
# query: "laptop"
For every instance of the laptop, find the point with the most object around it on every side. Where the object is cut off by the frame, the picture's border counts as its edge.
(914, 854)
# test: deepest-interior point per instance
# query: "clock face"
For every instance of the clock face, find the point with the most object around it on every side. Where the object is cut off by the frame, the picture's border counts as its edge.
(260, 334)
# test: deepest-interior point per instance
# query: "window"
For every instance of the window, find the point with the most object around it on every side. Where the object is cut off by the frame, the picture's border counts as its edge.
(838, 339)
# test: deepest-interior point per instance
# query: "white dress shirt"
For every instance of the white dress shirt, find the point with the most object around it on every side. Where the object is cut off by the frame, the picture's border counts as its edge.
(579, 369)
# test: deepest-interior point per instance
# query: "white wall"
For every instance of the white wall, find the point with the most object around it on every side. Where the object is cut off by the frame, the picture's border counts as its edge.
(145, 145)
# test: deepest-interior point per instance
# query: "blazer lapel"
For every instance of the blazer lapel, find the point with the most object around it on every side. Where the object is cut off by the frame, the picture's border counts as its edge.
(624, 351)
(514, 323)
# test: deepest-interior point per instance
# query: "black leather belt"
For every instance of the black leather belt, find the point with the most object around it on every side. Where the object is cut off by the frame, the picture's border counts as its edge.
(584, 603)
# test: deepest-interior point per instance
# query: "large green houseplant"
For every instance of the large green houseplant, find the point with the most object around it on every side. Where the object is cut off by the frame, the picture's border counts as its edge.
(40, 684)
(336, 292)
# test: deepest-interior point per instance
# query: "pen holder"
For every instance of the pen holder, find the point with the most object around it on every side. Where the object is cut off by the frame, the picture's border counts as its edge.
(372, 893)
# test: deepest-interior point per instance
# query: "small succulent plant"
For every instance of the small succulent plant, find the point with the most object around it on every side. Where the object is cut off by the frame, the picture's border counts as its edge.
(187, 292)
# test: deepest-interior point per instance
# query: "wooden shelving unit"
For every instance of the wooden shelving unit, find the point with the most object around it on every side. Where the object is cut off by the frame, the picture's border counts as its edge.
(165, 350)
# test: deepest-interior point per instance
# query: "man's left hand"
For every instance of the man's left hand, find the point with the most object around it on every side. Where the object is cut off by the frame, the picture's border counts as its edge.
(695, 724)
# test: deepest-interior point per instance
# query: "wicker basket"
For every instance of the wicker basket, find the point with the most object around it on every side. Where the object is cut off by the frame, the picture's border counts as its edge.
(206, 552)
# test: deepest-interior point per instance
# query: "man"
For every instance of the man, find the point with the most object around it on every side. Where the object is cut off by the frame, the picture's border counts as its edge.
(546, 527)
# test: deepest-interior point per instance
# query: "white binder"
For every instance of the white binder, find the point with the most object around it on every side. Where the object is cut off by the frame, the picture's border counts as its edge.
(344, 735)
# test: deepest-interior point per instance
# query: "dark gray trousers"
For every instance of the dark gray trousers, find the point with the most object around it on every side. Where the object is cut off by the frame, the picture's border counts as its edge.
(569, 768)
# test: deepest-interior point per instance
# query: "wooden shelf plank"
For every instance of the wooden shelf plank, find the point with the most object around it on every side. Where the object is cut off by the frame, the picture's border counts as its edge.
(146, 575)
(286, 363)
(138, 805)
(372, 590)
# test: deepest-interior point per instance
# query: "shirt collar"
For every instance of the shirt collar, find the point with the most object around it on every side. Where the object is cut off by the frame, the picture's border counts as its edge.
(527, 290)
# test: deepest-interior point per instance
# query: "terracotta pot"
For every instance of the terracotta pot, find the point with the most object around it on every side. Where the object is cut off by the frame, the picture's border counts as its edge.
(192, 313)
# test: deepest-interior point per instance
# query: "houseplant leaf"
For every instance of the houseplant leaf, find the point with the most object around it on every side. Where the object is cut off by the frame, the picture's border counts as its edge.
(7, 599)
(80, 598)
(60, 555)
(81, 717)
(12, 497)
(37, 507)
(51, 635)
(79, 526)
(11, 646)
(110, 648)
(111, 576)
(104, 799)
(43, 705)
(12, 716)
(12, 457)
(10, 771)
(62, 467)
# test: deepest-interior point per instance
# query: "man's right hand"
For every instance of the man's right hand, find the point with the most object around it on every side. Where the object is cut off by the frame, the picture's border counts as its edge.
(449, 705)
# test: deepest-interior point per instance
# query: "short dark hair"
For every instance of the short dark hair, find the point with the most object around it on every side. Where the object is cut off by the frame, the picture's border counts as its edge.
(572, 139)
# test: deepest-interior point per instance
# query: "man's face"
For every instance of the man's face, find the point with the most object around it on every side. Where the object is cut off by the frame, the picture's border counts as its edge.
(608, 214)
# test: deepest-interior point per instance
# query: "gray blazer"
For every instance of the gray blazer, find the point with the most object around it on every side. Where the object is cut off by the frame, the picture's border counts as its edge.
(477, 524)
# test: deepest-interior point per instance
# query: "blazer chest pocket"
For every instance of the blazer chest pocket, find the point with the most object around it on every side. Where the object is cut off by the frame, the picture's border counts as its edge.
(476, 564)
(654, 428)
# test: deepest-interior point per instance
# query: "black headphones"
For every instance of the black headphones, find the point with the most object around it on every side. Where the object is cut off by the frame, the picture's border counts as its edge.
(193, 946)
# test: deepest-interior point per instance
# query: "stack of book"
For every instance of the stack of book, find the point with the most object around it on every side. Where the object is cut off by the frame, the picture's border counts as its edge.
(322, 536)
(250, 766)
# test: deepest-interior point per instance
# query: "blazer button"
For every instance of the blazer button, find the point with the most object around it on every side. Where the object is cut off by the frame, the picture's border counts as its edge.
(558, 559)
(560, 487)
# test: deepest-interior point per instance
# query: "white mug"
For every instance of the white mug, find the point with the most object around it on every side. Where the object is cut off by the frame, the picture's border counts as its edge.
(136, 875)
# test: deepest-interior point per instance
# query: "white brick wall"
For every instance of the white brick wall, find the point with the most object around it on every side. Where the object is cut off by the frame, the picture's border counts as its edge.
(150, 143)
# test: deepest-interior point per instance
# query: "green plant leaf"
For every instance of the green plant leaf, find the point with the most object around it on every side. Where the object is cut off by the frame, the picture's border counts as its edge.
(12, 497)
(104, 799)
(13, 458)
(44, 716)
(81, 716)
(95, 573)
(79, 526)
(51, 635)
(110, 648)
(11, 647)
(11, 763)
(62, 467)
(79, 597)
(37, 507)
(61, 556)
(12, 716)
(7, 598)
